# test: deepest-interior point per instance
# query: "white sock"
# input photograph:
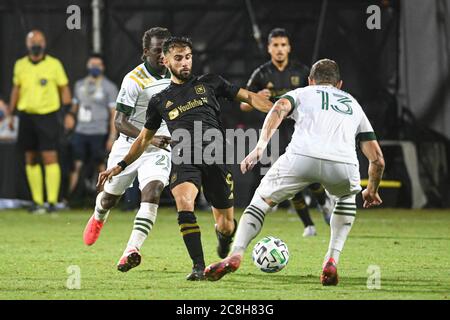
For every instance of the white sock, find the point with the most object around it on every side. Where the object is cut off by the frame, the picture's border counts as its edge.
(143, 224)
(341, 223)
(250, 224)
(100, 213)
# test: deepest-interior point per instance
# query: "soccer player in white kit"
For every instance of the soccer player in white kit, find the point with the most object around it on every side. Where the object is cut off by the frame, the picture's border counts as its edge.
(153, 167)
(322, 150)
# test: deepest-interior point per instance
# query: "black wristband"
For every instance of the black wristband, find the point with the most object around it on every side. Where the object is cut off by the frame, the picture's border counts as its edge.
(122, 164)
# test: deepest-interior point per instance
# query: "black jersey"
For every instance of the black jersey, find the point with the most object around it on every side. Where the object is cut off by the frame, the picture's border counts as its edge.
(190, 106)
(267, 76)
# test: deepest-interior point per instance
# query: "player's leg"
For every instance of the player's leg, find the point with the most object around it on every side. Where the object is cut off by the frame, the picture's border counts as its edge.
(185, 194)
(153, 175)
(302, 210)
(48, 132)
(142, 225)
(28, 141)
(325, 203)
(218, 188)
(282, 181)
(111, 194)
(341, 180)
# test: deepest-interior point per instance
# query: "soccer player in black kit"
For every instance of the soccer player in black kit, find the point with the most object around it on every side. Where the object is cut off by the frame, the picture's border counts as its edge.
(190, 101)
(271, 80)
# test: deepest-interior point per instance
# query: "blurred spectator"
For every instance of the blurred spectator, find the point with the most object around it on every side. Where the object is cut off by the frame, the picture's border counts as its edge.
(6, 132)
(92, 119)
(39, 82)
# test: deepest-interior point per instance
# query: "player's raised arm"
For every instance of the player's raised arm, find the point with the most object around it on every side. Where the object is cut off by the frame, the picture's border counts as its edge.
(273, 120)
(136, 150)
(255, 100)
(372, 151)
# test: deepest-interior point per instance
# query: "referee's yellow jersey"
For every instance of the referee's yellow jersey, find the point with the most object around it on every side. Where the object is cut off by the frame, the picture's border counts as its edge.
(38, 84)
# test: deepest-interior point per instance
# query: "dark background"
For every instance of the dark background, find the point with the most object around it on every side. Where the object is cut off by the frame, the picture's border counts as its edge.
(370, 60)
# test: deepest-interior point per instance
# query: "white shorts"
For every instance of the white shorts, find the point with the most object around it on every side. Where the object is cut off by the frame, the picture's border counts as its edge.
(292, 173)
(151, 166)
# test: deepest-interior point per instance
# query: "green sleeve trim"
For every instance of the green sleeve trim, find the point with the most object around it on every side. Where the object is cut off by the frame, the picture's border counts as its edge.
(127, 110)
(292, 101)
(366, 136)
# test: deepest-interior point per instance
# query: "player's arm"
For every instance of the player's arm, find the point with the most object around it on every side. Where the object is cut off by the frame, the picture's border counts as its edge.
(66, 96)
(137, 149)
(121, 122)
(371, 149)
(276, 115)
(255, 100)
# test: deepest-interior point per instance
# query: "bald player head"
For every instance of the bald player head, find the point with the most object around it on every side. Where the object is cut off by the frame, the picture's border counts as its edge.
(35, 42)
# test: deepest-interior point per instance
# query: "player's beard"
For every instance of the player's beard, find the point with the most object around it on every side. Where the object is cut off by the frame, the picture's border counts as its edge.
(183, 75)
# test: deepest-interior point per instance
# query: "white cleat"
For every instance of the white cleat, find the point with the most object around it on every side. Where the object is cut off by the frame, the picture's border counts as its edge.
(310, 231)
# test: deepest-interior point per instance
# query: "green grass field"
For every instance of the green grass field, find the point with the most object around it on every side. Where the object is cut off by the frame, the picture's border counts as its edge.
(411, 248)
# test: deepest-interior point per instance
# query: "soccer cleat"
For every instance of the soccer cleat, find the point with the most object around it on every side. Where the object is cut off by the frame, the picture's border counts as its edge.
(129, 260)
(197, 273)
(37, 209)
(51, 208)
(327, 209)
(224, 242)
(329, 276)
(310, 231)
(217, 270)
(92, 231)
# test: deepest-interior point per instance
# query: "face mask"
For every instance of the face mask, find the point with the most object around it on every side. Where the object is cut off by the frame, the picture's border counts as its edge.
(36, 50)
(95, 72)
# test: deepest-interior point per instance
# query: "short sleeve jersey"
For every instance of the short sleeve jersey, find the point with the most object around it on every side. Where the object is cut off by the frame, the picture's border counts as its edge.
(95, 99)
(137, 88)
(327, 123)
(39, 84)
(192, 106)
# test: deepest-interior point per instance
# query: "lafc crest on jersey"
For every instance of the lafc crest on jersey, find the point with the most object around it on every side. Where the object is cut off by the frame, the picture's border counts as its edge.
(200, 89)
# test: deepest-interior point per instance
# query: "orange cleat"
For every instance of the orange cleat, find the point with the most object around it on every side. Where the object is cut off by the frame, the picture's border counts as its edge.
(329, 276)
(217, 270)
(92, 231)
(129, 260)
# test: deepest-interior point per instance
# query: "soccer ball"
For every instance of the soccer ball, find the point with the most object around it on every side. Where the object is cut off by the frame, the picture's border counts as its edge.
(270, 254)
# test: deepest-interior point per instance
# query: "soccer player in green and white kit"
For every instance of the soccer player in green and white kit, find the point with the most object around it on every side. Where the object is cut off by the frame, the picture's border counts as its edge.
(153, 167)
(322, 150)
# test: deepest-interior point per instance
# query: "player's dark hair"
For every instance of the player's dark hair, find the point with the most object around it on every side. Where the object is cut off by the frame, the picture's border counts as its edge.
(176, 42)
(158, 32)
(277, 32)
(325, 71)
(96, 55)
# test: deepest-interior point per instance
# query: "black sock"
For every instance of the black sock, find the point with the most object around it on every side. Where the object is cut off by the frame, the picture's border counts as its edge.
(302, 209)
(319, 193)
(190, 231)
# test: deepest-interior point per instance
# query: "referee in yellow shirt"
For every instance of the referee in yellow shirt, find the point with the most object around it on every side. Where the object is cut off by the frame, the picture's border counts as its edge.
(39, 84)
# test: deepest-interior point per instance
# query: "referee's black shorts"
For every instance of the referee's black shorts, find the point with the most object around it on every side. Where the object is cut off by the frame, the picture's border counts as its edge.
(38, 132)
(216, 180)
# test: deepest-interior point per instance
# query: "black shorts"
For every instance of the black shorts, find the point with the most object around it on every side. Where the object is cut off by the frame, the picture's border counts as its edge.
(87, 147)
(216, 180)
(38, 132)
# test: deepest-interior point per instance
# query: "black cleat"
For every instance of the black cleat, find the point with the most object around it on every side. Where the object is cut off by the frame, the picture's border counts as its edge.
(51, 208)
(224, 242)
(129, 261)
(197, 273)
(36, 209)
